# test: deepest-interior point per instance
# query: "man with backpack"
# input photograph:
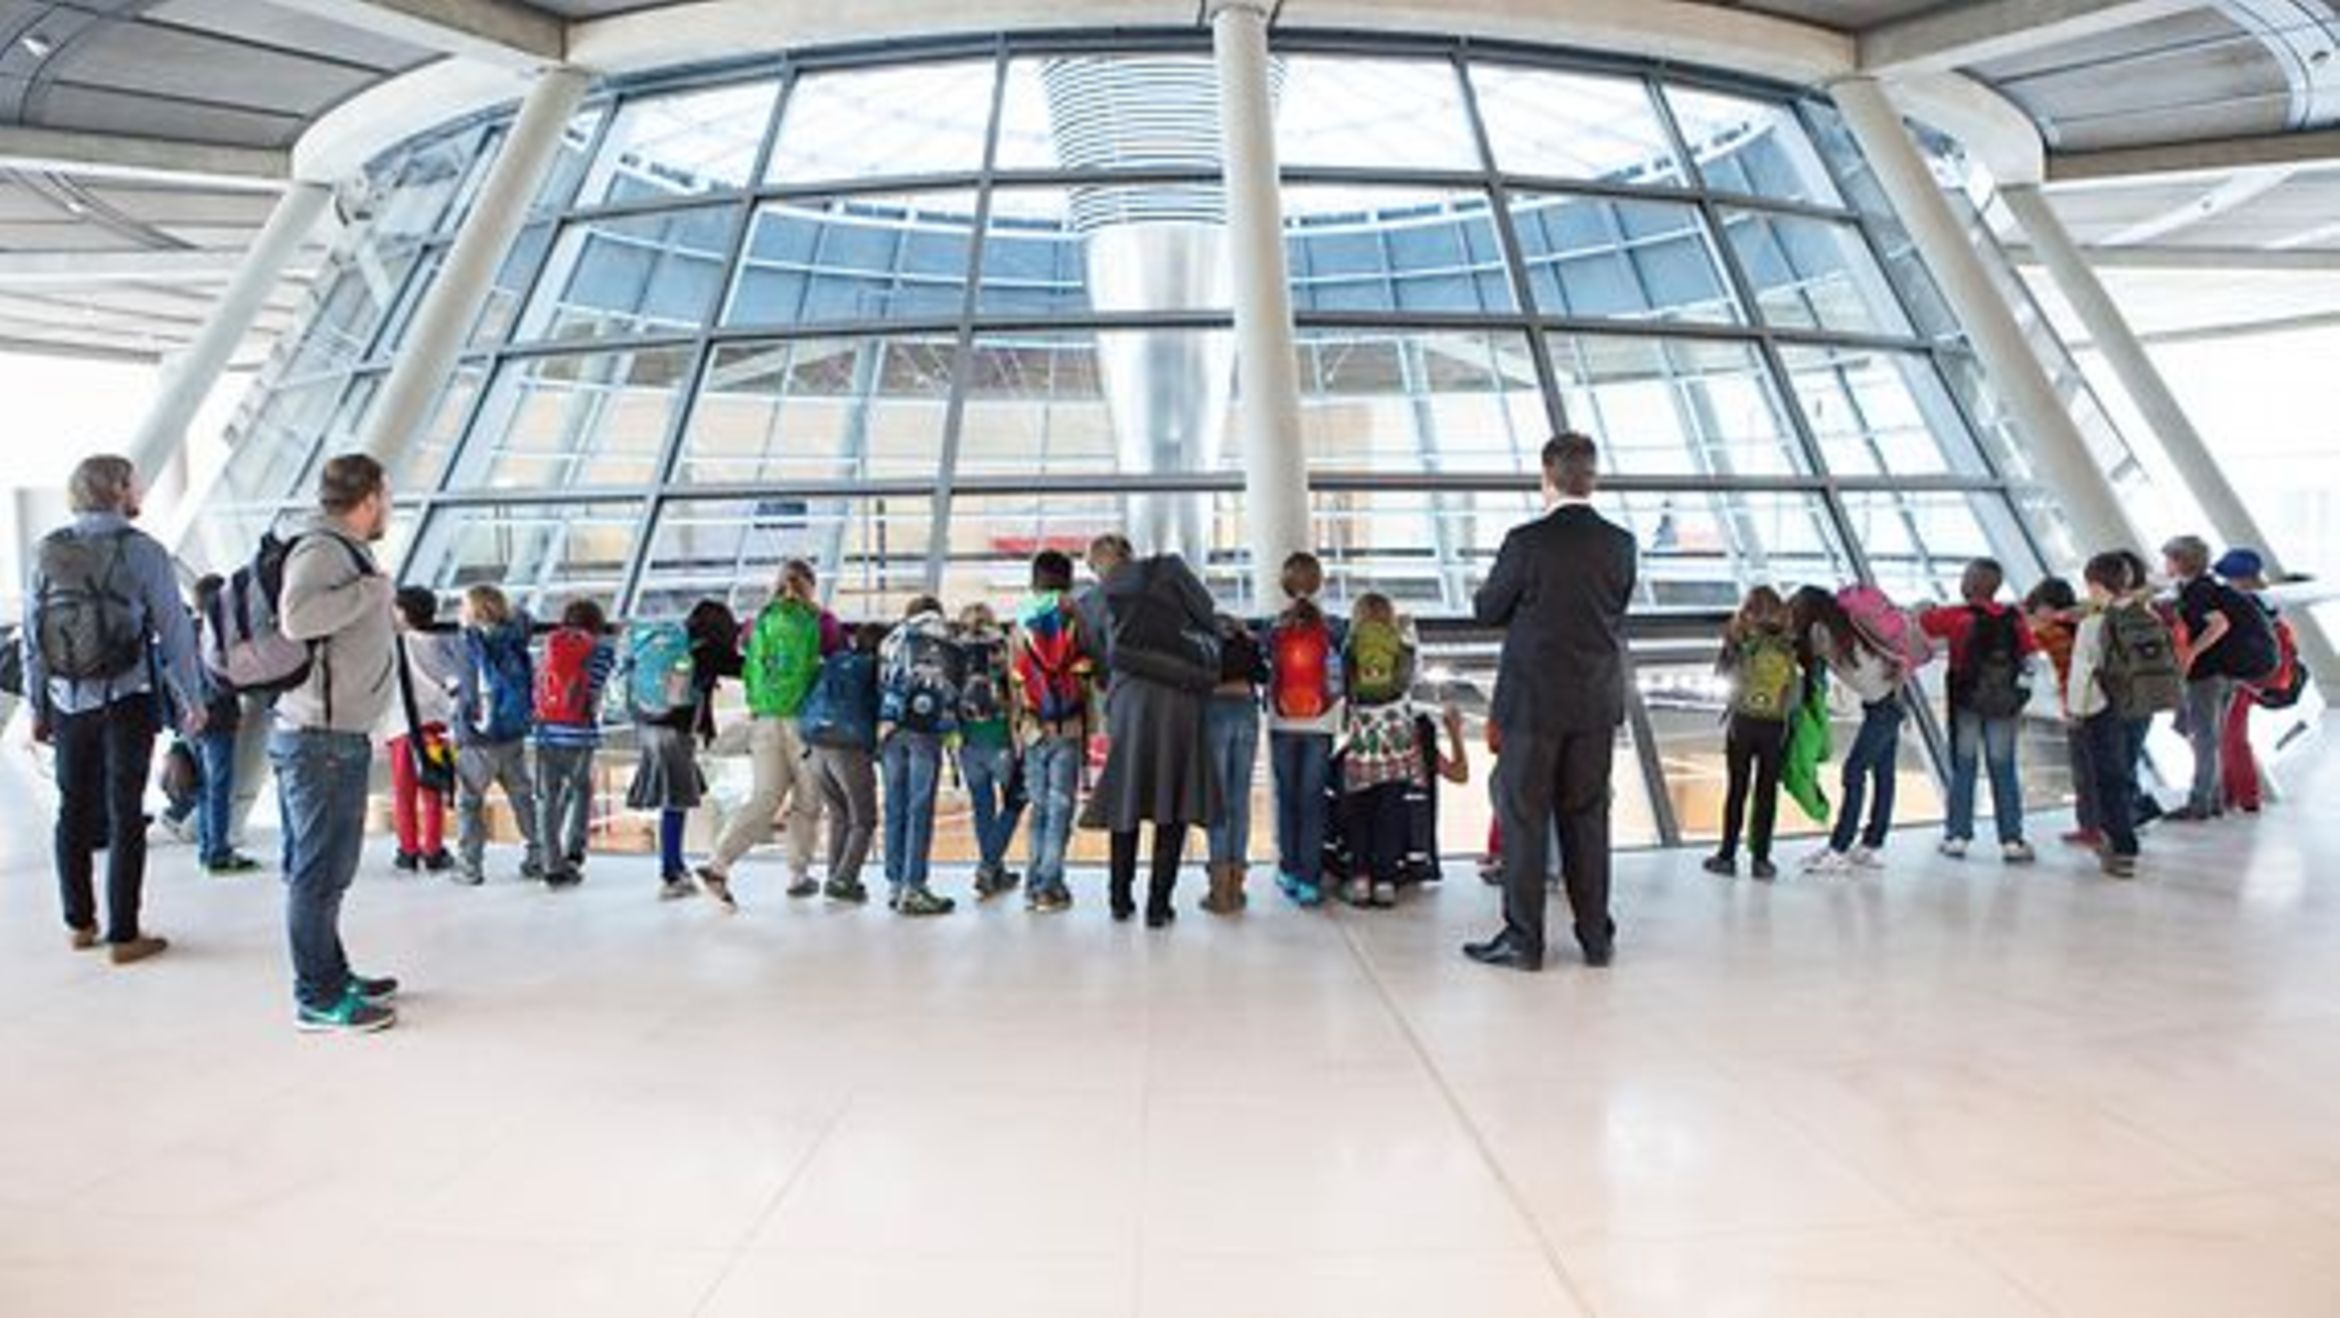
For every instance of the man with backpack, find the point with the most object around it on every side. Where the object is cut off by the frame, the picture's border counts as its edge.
(785, 647)
(2228, 641)
(1052, 674)
(338, 605)
(106, 642)
(1990, 646)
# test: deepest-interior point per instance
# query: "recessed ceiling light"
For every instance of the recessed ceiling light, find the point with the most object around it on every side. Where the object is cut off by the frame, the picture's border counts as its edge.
(38, 46)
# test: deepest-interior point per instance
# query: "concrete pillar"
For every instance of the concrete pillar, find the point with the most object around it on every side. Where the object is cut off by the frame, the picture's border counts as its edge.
(2057, 446)
(1267, 403)
(460, 289)
(188, 380)
(2230, 517)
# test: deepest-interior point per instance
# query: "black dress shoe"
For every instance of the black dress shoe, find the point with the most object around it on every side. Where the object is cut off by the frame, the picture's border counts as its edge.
(1506, 952)
(1600, 957)
(1156, 919)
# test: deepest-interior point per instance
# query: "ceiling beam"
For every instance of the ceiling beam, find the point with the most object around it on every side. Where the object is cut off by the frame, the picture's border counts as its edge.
(2222, 155)
(150, 159)
(504, 32)
(2230, 193)
(78, 269)
(1963, 35)
(2293, 260)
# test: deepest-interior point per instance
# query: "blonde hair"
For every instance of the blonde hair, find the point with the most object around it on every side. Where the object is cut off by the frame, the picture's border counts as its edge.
(486, 606)
(101, 484)
(978, 616)
(1762, 611)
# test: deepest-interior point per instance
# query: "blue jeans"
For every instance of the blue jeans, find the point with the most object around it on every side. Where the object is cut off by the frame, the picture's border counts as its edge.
(1870, 763)
(1231, 736)
(986, 770)
(1052, 778)
(322, 777)
(2205, 716)
(1302, 761)
(913, 766)
(215, 796)
(2115, 788)
(1975, 742)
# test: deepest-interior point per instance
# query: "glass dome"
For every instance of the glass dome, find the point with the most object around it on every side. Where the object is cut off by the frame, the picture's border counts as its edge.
(914, 315)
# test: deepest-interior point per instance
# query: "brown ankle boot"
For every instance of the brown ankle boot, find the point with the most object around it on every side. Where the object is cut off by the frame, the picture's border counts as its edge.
(1216, 901)
(1237, 872)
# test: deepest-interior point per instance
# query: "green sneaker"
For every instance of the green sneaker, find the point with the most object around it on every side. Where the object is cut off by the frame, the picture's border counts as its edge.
(352, 1015)
(924, 901)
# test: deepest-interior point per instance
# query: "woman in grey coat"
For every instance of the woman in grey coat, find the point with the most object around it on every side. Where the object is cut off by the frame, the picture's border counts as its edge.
(1164, 661)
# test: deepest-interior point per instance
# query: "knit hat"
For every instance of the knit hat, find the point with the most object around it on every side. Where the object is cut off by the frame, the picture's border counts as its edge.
(2237, 564)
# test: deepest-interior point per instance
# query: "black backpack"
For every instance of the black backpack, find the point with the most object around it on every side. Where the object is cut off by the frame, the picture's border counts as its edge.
(2250, 650)
(90, 629)
(1991, 683)
(1152, 637)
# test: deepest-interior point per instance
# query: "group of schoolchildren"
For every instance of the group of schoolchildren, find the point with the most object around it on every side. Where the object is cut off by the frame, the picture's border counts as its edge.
(857, 726)
(2209, 653)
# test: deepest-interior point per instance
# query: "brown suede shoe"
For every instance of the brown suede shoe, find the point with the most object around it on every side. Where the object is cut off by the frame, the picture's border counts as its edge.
(137, 949)
(85, 939)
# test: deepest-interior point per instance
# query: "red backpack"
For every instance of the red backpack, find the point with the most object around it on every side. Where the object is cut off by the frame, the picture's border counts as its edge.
(564, 682)
(1300, 667)
(1048, 666)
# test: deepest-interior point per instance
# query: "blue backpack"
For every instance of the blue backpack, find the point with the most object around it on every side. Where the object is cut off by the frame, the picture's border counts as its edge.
(841, 711)
(661, 675)
(507, 682)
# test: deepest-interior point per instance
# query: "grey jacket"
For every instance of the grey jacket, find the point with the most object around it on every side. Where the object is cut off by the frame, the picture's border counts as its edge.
(345, 611)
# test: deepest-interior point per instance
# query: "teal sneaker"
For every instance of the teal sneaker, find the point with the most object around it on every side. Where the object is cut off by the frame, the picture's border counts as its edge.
(352, 1015)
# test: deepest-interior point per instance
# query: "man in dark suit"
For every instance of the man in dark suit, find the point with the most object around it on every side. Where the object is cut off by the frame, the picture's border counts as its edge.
(1559, 591)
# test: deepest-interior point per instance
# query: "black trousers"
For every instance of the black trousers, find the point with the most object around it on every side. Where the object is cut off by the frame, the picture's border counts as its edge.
(1169, 851)
(1556, 776)
(103, 757)
(1378, 824)
(1752, 750)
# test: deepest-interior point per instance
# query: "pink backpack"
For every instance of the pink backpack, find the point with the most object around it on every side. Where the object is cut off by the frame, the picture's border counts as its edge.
(1886, 628)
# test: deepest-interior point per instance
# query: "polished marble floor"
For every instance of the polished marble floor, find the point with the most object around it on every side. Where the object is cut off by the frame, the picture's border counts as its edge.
(1954, 1089)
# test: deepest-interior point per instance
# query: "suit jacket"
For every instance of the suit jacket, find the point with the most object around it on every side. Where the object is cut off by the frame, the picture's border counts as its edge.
(1559, 590)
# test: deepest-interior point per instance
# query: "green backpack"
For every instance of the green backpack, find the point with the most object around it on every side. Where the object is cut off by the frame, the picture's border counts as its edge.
(1377, 663)
(783, 658)
(1766, 686)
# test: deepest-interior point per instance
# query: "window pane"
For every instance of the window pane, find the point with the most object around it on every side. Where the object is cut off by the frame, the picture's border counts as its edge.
(511, 285)
(1036, 404)
(360, 287)
(1880, 413)
(1752, 147)
(560, 180)
(854, 259)
(1393, 249)
(274, 448)
(882, 123)
(1813, 274)
(1427, 550)
(1626, 260)
(424, 463)
(1399, 401)
(1702, 550)
(641, 274)
(681, 144)
(424, 190)
(993, 538)
(574, 420)
(820, 410)
(542, 555)
(1037, 253)
(1675, 407)
(1372, 114)
(1574, 125)
(1918, 544)
(870, 553)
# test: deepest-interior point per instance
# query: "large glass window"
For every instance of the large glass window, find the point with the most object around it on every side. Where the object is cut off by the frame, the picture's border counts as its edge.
(914, 314)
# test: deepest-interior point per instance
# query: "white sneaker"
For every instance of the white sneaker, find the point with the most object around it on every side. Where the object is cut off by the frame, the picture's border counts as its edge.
(1865, 858)
(177, 830)
(1828, 861)
(2018, 852)
(1954, 848)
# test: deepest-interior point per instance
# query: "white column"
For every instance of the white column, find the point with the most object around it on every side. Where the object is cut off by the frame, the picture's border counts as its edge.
(1267, 403)
(188, 380)
(2057, 446)
(460, 288)
(2230, 517)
